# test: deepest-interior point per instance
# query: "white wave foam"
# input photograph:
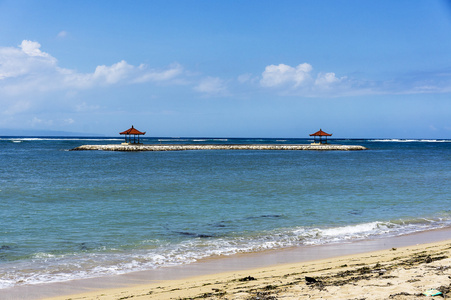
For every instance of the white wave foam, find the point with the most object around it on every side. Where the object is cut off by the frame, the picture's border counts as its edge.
(45, 268)
(173, 140)
(59, 139)
(411, 140)
(352, 232)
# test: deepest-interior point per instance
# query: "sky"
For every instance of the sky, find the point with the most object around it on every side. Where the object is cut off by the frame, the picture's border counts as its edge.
(254, 68)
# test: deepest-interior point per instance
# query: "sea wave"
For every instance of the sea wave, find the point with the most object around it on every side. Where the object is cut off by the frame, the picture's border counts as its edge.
(19, 139)
(47, 267)
(173, 140)
(411, 140)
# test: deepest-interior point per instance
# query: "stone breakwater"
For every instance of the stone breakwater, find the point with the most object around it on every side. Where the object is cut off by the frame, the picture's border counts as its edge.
(178, 147)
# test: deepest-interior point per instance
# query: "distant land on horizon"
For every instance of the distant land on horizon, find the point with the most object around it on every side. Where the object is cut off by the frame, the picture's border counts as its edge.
(35, 132)
(4, 132)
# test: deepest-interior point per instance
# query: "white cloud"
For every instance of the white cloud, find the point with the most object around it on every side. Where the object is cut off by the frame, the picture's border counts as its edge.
(172, 72)
(325, 79)
(120, 73)
(243, 78)
(37, 122)
(282, 74)
(211, 85)
(32, 49)
(299, 77)
(58, 123)
(84, 107)
(31, 80)
(15, 106)
(114, 73)
(68, 121)
(301, 81)
(28, 59)
(62, 34)
(26, 69)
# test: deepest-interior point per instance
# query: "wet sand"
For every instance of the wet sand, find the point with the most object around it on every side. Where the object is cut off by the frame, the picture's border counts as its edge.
(400, 267)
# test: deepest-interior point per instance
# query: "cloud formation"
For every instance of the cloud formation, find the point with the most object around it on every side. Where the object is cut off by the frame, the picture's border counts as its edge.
(32, 49)
(62, 34)
(302, 81)
(26, 71)
(26, 68)
(211, 85)
(283, 74)
(27, 59)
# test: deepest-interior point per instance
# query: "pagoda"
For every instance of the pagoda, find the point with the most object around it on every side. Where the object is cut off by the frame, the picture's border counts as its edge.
(128, 135)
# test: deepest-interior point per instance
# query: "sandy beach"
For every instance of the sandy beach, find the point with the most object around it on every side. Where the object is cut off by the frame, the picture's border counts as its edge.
(397, 273)
(346, 271)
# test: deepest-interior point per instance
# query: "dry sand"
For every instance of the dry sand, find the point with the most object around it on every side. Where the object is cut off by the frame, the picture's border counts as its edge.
(395, 273)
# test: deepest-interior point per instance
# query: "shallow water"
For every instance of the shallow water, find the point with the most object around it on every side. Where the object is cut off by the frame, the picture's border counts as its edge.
(70, 214)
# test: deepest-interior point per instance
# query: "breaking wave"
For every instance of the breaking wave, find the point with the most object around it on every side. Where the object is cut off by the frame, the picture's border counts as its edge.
(47, 267)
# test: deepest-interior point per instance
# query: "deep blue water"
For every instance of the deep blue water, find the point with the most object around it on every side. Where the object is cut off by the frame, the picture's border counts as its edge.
(77, 214)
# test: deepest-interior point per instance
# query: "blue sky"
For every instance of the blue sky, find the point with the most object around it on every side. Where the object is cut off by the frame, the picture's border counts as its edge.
(227, 68)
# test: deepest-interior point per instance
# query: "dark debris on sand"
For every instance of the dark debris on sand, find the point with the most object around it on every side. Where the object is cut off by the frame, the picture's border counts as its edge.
(367, 272)
(262, 296)
(248, 278)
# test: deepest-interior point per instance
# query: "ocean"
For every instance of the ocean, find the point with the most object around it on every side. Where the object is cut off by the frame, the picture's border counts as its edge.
(80, 214)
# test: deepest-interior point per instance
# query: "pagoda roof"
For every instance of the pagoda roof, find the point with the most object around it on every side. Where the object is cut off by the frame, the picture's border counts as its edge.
(321, 133)
(132, 131)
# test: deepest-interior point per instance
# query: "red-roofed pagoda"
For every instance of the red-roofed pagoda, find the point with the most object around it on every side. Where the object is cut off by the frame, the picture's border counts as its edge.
(320, 134)
(132, 131)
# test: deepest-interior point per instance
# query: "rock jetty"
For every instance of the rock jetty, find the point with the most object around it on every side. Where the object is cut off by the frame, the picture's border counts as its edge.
(180, 147)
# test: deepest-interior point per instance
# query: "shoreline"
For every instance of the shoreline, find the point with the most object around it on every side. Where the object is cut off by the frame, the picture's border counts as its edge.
(184, 147)
(228, 269)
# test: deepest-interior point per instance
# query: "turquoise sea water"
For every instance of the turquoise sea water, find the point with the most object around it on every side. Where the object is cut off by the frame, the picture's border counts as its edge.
(79, 214)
